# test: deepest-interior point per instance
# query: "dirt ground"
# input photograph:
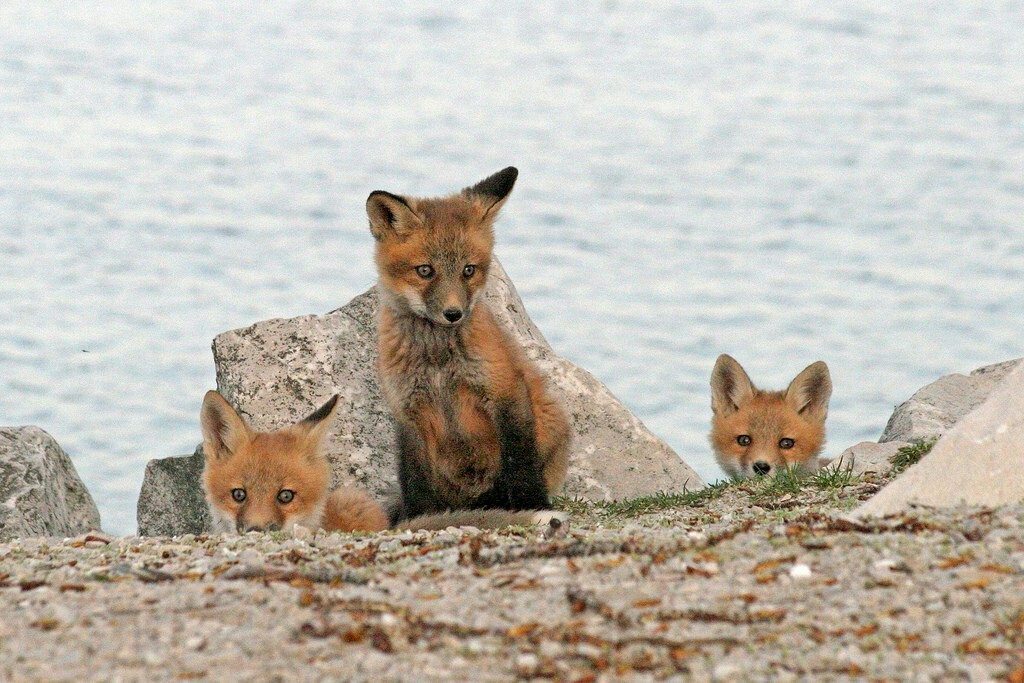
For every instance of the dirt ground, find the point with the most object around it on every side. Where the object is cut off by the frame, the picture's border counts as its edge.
(737, 582)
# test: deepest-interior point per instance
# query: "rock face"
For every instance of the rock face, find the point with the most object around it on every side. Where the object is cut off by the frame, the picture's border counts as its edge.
(932, 410)
(171, 502)
(868, 457)
(980, 461)
(40, 490)
(278, 371)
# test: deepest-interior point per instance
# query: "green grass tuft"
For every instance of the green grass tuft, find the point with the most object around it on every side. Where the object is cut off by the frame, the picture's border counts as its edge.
(909, 455)
(829, 478)
(661, 500)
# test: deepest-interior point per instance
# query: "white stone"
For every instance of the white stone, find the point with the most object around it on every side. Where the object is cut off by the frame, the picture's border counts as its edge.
(41, 493)
(800, 571)
(933, 409)
(980, 461)
(868, 457)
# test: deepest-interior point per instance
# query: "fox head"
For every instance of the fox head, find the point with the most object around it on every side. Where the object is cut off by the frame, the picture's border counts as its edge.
(433, 255)
(264, 481)
(755, 432)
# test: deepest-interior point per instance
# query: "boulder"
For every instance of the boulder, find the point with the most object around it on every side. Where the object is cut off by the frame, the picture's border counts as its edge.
(171, 502)
(868, 457)
(938, 406)
(980, 461)
(278, 371)
(41, 492)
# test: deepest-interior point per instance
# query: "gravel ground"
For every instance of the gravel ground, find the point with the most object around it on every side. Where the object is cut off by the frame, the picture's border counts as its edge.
(737, 585)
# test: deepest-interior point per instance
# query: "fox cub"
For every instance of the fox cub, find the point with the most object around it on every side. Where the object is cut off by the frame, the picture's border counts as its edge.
(757, 432)
(477, 427)
(269, 481)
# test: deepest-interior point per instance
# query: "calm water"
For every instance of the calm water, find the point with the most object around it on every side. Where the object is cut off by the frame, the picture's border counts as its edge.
(842, 181)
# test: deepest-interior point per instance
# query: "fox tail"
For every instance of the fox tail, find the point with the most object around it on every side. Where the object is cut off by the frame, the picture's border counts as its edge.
(491, 518)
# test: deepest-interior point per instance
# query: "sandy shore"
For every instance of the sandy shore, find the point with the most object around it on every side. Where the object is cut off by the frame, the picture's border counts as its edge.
(740, 583)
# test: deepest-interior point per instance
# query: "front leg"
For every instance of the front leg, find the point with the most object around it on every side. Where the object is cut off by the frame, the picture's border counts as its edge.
(520, 483)
(417, 493)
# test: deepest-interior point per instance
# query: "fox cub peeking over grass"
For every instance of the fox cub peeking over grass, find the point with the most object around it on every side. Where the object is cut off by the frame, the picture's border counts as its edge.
(477, 427)
(271, 481)
(757, 432)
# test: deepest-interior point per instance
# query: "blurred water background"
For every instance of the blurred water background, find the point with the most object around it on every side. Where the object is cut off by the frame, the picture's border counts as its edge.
(781, 181)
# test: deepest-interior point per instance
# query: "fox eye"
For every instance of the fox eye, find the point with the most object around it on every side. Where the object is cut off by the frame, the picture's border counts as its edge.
(426, 272)
(786, 443)
(468, 271)
(743, 440)
(238, 495)
(285, 496)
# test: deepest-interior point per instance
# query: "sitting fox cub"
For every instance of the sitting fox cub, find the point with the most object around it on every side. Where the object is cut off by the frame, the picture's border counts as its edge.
(757, 432)
(268, 481)
(477, 427)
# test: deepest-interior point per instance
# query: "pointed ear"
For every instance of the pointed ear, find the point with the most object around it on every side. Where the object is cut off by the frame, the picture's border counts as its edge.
(315, 427)
(491, 192)
(391, 215)
(224, 430)
(730, 386)
(809, 391)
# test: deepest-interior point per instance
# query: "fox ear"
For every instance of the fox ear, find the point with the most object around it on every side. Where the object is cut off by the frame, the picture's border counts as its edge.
(391, 215)
(224, 430)
(318, 423)
(810, 391)
(491, 192)
(730, 386)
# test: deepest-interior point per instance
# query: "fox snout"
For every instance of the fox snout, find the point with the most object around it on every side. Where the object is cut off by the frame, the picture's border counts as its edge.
(450, 302)
(244, 527)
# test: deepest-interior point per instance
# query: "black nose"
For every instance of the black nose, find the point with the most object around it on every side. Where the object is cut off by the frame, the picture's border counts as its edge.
(453, 315)
(762, 468)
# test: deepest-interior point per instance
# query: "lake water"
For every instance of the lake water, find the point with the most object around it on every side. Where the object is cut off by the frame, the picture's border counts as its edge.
(784, 182)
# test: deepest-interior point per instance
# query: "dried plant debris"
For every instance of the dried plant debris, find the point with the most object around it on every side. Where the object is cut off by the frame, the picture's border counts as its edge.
(752, 580)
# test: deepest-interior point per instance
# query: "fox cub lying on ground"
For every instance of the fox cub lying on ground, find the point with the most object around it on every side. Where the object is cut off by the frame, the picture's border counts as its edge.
(269, 481)
(756, 432)
(477, 427)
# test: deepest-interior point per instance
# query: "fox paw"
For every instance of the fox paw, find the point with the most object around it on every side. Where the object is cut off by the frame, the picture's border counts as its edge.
(552, 521)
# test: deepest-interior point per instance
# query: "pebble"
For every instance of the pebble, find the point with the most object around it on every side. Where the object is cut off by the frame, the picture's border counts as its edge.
(800, 571)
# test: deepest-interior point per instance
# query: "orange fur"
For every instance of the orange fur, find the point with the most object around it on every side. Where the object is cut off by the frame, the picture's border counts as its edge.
(353, 510)
(769, 419)
(265, 464)
(444, 357)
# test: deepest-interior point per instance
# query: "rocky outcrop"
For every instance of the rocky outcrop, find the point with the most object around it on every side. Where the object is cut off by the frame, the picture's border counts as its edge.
(979, 461)
(277, 371)
(171, 501)
(933, 409)
(40, 491)
(868, 457)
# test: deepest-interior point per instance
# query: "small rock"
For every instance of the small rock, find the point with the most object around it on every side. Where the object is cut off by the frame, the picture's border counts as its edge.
(935, 408)
(41, 491)
(868, 457)
(800, 571)
(171, 502)
(526, 664)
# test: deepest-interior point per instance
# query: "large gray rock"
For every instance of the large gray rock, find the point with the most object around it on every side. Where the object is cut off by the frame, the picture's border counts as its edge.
(171, 502)
(868, 457)
(277, 371)
(935, 408)
(40, 490)
(980, 461)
